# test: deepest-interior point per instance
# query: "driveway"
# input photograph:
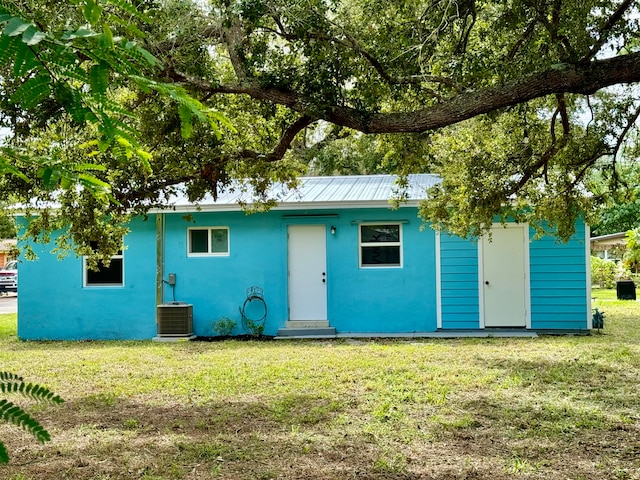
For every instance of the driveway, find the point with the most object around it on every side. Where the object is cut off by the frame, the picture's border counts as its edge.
(9, 303)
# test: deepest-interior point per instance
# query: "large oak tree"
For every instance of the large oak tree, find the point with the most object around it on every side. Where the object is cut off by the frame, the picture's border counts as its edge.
(513, 103)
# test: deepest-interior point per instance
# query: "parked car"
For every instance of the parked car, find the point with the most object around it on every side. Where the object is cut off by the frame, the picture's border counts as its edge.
(9, 277)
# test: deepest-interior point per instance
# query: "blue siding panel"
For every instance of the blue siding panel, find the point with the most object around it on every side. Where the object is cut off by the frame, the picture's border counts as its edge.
(459, 283)
(558, 282)
(548, 269)
(560, 290)
(472, 323)
(562, 278)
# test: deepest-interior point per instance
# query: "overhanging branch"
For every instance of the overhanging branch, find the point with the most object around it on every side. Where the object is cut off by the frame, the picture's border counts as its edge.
(582, 78)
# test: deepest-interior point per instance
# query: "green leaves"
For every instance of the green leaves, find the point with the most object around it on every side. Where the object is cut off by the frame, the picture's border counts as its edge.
(33, 91)
(15, 26)
(11, 413)
(32, 36)
(85, 69)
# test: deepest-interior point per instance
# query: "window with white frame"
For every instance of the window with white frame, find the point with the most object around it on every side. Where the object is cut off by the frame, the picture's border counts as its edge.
(210, 241)
(105, 276)
(380, 244)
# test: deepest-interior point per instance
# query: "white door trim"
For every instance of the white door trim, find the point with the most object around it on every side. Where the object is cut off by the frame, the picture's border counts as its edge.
(587, 253)
(527, 272)
(438, 283)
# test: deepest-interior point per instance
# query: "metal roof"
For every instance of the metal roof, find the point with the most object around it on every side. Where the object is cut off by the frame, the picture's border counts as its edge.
(318, 192)
(619, 238)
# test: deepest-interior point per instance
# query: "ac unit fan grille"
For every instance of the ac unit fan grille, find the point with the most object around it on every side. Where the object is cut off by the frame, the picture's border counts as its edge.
(176, 320)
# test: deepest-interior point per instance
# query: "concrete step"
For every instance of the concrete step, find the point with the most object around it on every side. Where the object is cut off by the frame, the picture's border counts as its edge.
(307, 332)
(308, 324)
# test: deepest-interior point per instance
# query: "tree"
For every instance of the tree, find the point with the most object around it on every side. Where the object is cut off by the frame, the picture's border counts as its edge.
(72, 63)
(618, 192)
(500, 86)
(632, 253)
(513, 103)
(7, 227)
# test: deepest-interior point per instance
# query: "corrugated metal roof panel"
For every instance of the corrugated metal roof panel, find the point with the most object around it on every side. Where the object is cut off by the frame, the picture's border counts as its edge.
(334, 191)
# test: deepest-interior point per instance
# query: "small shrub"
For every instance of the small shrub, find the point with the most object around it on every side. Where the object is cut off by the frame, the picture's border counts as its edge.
(224, 327)
(256, 328)
(603, 272)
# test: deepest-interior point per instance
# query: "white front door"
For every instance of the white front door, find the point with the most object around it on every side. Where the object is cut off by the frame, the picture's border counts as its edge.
(503, 277)
(307, 272)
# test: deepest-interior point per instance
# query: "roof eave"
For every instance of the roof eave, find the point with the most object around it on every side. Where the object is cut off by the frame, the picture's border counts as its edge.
(234, 207)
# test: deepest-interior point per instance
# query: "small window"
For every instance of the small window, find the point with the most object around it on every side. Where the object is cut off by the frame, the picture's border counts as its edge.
(111, 276)
(381, 245)
(208, 241)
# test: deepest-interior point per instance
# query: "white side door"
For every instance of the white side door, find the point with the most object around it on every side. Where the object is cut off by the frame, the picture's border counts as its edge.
(307, 258)
(503, 272)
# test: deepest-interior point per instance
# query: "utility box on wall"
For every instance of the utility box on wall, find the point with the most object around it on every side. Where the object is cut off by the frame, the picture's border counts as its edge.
(175, 319)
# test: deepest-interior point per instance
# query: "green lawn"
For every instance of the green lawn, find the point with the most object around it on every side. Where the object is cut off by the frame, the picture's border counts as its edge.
(554, 407)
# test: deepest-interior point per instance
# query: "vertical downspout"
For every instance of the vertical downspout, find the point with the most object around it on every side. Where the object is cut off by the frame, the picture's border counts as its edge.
(159, 259)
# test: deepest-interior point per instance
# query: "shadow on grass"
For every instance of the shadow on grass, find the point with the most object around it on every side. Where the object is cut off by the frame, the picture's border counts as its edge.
(313, 437)
(106, 437)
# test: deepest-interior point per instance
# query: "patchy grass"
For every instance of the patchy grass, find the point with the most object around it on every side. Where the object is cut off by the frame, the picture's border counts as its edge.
(554, 407)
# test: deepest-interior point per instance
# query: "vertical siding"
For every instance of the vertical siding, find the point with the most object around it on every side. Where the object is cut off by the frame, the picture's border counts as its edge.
(459, 283)
(559, 282)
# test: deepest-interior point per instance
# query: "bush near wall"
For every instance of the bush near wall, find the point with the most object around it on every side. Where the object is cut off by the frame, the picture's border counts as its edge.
(605, 273)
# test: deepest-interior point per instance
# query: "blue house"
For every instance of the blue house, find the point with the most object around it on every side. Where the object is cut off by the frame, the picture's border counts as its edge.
(331, 259)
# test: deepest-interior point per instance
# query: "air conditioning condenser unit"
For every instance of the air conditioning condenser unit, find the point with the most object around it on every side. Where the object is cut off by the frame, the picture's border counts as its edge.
(175, 319)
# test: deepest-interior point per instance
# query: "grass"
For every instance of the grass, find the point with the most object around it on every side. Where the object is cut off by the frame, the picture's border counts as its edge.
(554, 407)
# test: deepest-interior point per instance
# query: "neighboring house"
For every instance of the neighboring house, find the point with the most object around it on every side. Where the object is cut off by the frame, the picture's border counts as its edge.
(332, 259)
(7, 247)
(609, 247)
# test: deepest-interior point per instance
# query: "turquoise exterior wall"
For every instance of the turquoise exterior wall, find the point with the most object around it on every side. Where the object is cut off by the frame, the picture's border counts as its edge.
(387, 300)
(459, 287)
(557, 281)
(559, 287)
(53, 305)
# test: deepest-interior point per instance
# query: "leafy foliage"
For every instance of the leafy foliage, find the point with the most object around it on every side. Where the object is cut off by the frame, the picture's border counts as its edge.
(7, 227)
(632, 253)
(603, 272)
(11, 383)
(224, 326)
(71, 64)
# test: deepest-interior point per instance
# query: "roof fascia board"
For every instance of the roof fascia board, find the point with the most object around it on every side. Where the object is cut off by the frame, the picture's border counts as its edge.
(285, 206)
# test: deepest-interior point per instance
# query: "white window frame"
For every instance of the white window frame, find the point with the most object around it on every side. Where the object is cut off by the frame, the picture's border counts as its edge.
(398, 244)
(208, 253)
(85, 284)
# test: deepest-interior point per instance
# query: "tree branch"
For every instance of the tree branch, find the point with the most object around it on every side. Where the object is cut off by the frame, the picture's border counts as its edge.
(579, 78)
(603, 38)
(282, 147)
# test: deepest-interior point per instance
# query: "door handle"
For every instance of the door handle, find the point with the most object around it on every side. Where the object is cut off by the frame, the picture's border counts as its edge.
(487, 282)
